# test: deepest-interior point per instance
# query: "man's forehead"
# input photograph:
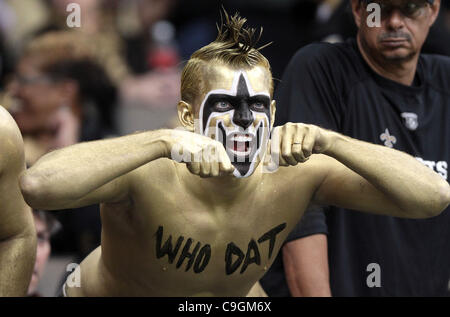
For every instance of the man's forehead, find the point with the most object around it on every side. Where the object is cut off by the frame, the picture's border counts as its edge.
(220, 77)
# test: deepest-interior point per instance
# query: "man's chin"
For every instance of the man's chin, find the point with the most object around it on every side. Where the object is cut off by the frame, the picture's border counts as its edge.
(398, 55)
(242, 168)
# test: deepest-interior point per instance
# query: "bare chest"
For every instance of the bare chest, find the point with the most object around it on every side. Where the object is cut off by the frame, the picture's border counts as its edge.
(182, 239)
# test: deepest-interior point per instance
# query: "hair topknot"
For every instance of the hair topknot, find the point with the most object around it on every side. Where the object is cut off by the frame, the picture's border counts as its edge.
(233, 34)
(234, 44)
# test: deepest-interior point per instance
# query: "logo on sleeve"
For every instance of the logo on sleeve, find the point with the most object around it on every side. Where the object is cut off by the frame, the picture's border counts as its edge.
(411, 121)
(388, 139)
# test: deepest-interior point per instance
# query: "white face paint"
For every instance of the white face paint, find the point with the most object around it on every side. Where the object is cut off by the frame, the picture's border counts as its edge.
(240, 119)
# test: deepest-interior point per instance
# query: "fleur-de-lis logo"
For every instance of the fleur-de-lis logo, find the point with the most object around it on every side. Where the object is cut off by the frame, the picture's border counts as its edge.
(388, 139)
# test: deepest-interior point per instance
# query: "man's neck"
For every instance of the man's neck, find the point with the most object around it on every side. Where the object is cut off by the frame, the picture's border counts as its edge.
(402, 72)
(222, 189)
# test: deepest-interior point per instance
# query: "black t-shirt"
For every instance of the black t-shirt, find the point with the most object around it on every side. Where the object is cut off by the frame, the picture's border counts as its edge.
(331, 85)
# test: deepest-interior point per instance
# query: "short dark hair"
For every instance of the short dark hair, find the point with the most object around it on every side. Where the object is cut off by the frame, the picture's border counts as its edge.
(53, 225)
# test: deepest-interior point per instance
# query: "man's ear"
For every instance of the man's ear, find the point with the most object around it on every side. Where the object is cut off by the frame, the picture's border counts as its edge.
(273, 109)
(357, 8)
(435, 7)
(186, 115)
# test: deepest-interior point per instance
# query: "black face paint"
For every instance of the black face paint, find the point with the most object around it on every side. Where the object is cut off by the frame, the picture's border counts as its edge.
(241, 165)
(243, 107)
(241, 104)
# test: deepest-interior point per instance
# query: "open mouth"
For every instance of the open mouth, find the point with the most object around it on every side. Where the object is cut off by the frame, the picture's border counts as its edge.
(241, 144)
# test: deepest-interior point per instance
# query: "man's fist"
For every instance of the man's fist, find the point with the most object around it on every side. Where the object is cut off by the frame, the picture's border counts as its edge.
(203, 156)
(294, 143)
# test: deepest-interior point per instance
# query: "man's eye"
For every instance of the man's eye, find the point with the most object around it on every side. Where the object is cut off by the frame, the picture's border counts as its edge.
(222, 105)
(411, 8)
(42, 238)
(258, 106)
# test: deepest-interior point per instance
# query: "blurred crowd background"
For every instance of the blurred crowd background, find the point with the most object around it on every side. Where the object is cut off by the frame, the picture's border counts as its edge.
(120, 72)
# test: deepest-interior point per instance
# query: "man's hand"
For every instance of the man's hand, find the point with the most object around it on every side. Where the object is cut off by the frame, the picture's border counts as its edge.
(294, 143)
(203, 156)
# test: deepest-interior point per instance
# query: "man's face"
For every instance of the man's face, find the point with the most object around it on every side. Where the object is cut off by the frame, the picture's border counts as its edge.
(235, 109)
(36, 97)
(42, 253)
(404, 27)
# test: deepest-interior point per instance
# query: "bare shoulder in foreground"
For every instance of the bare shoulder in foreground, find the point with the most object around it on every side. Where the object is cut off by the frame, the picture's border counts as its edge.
(17, 233)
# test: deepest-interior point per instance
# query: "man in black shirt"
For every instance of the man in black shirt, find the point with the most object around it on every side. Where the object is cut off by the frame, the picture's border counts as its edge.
(377, 88)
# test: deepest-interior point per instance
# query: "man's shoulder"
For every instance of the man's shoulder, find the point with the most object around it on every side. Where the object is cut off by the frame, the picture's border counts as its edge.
(327, 53)
(10, 136)
(436, 61)
(437, 70)
(338, 61)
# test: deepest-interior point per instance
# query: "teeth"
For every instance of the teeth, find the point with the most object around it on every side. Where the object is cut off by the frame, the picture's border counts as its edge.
(240, 153)
(241, 138)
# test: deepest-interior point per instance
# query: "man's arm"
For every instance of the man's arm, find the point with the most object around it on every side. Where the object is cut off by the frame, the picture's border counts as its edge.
(310, 92)
(305, 256)
(97, 172)
(376, 178)
(305, 263)
(363, 176)
(17, 233)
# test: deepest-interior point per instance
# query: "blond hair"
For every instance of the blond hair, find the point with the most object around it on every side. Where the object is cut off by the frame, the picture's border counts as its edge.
(234, 47)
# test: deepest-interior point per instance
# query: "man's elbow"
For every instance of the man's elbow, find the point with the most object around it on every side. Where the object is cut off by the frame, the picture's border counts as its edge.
(33, 190)
(436, 205)
(445, 196)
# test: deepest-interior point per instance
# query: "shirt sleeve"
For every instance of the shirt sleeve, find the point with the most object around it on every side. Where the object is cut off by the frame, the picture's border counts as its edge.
(312, 222)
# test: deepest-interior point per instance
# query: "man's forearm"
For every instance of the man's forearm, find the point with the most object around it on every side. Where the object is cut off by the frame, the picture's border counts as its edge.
(413, 187)
(17, 256)
(74, 171)
(305, 263)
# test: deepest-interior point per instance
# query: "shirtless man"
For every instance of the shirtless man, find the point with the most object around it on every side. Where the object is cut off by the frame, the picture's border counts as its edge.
(169, 232)
(17, 234)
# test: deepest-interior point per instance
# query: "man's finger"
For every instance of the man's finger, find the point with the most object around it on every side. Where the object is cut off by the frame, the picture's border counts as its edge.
(308, 143)
(297, 145)
(194, 167)
(286, 146)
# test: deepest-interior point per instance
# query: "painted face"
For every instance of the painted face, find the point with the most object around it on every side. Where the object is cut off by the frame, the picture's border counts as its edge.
(239, 117)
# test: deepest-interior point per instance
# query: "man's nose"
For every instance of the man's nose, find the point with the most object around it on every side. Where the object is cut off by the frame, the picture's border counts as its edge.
(13, 88)
(395, 20)
(243, 117)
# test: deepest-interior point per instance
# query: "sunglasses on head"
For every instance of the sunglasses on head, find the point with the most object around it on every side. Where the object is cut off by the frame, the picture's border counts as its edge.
(410, 8)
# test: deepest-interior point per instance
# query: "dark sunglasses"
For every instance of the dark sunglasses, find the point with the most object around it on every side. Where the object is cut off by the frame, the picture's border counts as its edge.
(411, 9)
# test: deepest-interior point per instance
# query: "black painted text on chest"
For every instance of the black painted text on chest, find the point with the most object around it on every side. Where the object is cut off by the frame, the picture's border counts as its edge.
(197, 256)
